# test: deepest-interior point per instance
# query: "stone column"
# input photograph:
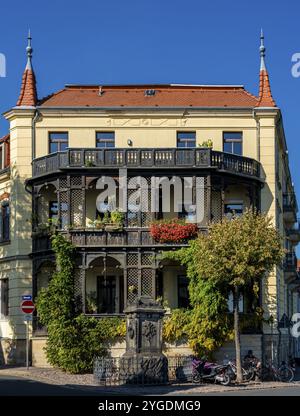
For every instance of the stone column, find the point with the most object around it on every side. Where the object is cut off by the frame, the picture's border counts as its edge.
(143, 361)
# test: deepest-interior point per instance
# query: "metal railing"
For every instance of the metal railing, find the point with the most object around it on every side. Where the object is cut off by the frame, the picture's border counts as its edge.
(289, 202)
(146, 158)
(290, 262)
(115, 371)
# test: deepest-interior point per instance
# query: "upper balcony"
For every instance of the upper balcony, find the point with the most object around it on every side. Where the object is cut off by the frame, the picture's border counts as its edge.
(290, 207)
(159, 158)
(293, 233)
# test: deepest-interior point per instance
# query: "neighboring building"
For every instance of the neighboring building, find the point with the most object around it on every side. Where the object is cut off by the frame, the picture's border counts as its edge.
(59, 146)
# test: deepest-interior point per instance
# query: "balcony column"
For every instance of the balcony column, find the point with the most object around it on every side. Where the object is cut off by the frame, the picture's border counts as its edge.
(222, 196)
(209, 201)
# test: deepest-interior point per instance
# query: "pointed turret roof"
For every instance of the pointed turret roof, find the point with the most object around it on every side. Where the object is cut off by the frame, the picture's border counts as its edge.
(28, 94)
(265, 95)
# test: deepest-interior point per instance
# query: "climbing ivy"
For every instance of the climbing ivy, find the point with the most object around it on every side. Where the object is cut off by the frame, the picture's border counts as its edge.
(73, 339)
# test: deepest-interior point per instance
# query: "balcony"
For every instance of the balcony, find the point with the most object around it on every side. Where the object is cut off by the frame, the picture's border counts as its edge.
(86, 237)
(93, 159)
(290, 266)
(289, 207)
(293, 233)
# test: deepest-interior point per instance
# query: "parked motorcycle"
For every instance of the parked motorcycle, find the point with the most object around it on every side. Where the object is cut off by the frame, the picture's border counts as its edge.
(206, 371)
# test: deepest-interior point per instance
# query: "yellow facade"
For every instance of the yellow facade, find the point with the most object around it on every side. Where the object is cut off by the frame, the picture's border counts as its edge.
(262, 140)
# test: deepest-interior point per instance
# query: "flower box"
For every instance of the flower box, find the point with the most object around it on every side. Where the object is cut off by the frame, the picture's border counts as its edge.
(173, 231)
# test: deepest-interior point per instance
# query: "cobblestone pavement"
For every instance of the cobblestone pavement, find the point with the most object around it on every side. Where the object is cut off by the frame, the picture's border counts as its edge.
(88, 385)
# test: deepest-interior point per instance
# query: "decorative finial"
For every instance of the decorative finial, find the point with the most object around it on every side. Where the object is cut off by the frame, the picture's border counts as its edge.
(262, 50)
(29, 51)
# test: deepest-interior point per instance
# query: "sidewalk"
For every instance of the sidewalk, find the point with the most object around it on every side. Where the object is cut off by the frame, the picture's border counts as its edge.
(87, 383)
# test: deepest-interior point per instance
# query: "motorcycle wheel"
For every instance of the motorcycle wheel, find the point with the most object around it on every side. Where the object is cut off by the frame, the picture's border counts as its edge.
(286, 375)
(226, 379)
(196, 378)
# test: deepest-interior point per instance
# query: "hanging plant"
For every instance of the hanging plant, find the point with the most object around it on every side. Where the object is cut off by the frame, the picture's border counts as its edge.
(173, 231)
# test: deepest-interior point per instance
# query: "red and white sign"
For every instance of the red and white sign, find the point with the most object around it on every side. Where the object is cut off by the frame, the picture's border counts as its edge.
(27, 306)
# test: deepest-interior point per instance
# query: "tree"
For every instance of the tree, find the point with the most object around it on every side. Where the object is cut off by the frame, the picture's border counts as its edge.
(234, 254)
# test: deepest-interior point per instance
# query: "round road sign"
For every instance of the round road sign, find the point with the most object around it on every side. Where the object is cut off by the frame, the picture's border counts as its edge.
(27, 306)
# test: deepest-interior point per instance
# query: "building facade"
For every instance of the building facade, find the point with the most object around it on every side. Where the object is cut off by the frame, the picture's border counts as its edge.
(60, 146)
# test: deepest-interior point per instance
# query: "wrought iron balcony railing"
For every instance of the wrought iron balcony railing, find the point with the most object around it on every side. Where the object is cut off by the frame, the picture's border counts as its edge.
(289, 202)
(290, 262)
(145, 158)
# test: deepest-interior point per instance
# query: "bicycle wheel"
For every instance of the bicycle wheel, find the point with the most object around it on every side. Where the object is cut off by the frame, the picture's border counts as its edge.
(264, 374)
(286, 374)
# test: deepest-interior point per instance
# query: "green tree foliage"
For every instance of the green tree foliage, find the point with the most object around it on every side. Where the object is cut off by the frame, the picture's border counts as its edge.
(73, 340)
(234, 254)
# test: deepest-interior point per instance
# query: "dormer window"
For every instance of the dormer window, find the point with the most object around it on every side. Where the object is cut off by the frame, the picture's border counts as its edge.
(149, 93)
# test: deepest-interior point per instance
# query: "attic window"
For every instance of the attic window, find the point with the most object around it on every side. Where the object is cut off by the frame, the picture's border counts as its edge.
(149, 93)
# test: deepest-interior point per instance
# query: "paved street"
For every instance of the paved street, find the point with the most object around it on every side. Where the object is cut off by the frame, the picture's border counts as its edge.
(21, 386)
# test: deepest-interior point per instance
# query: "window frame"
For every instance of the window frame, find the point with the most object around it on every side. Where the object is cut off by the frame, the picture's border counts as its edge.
(232, 141)
(241, 203)
(57, 141)
(4, 223)
(105, 141)
(186, 140)
(4, 299)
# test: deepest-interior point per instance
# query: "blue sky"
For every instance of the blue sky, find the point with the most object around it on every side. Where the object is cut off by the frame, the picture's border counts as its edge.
(154, 41)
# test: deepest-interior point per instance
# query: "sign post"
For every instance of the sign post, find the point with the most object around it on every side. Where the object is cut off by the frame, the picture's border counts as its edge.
(28, 308)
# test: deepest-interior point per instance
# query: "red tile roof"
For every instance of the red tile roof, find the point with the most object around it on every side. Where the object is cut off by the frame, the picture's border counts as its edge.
(28, 94)
(265, 95)
(165, 96)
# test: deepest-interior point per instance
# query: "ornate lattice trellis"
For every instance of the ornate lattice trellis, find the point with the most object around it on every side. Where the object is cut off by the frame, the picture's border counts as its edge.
(147, 282)
(216, 206)
(132, 284)
(76, 207)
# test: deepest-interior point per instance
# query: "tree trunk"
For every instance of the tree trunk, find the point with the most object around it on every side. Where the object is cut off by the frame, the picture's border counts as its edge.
(239, 375)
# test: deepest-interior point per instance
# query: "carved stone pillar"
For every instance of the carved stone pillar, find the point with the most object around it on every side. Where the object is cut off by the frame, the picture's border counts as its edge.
(143, 361)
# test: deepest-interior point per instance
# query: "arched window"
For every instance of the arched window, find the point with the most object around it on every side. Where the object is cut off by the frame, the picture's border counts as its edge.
(4, 221)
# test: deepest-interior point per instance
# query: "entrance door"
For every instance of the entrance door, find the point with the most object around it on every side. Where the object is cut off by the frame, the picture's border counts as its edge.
(106, 294)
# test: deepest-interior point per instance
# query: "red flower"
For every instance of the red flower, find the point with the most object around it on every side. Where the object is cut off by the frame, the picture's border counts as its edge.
(173, 231)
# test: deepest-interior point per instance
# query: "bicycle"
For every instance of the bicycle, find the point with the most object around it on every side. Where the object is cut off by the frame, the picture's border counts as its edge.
(283, 373)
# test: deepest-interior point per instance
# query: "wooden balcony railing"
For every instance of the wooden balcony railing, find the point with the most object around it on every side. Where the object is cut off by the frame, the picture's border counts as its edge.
(98, 238)
(145, 158)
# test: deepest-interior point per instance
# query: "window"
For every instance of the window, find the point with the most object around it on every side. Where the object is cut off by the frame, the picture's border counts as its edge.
(4, 222)
(233, 209)
(53, 210)
(183, 292)
(105, 139)
(186, 139)
(232, 143)
(3, 298)
(231, 305)
(58, 142)
(2, 156)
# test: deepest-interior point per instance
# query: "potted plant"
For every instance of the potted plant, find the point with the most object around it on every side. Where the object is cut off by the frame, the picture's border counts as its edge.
(116, 221)
(98, 223)
(89, 164)
(206, 143)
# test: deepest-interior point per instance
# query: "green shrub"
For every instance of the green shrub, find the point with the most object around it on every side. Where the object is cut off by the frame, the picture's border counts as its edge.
(73, 340)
